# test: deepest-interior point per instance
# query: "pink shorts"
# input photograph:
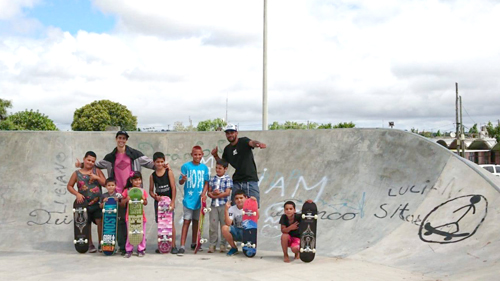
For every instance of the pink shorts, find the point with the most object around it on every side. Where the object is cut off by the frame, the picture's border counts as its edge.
(293, 242)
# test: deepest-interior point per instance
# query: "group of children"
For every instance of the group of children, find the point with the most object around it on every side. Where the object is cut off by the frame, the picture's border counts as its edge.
(197, 186)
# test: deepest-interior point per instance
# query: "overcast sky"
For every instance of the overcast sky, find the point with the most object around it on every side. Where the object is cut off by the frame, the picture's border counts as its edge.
(365, 61)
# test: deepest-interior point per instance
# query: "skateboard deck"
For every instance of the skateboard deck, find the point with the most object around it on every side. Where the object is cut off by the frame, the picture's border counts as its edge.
(249, 228)
(135, 215)
(164, 225)
(199, 239)
(307, 229)
(109, 226)
(82, 227)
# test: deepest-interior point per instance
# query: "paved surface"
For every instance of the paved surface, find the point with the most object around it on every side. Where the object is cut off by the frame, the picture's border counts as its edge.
(393, 206)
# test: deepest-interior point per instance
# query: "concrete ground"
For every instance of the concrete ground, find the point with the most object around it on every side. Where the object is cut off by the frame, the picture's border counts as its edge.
(392, 206)
(202, 266)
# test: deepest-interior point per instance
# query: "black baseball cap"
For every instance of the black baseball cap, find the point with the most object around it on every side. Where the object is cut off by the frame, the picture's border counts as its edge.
(121, 133)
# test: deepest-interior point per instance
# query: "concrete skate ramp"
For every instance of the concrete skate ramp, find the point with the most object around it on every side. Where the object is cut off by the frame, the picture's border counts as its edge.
(385, 196)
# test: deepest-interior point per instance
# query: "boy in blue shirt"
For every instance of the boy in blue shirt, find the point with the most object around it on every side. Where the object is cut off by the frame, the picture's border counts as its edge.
(195, 175)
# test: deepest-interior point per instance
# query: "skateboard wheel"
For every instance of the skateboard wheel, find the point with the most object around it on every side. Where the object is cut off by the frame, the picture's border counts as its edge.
(254, 246)
(102, 242)
(254, 213)
(315, 217)
(205, 210)
(169, 240)
(86, 241)
(301, 250)
(74, 210)
(74, 241)
(114, 211)
(314, 251)
(113, 243)
(209, 209)
(303, 216)
(103, 211)
(159, 240)
(142, 201)
(85, 210)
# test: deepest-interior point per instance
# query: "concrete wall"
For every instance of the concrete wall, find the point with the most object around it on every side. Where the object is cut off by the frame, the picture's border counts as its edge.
(375, 189)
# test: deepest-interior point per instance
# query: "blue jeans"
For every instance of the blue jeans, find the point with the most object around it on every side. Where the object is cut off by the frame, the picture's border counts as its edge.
(251, 188)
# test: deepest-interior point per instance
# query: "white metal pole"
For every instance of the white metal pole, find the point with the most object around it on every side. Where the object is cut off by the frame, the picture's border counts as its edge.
(264, 78)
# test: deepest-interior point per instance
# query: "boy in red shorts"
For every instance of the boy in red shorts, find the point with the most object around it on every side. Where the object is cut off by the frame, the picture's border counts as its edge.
(290, 236)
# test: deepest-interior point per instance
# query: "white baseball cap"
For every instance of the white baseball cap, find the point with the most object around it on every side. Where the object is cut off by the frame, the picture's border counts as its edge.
(230, 127)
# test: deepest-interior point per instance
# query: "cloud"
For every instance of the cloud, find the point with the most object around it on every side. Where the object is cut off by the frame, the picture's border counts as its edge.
(328, 61)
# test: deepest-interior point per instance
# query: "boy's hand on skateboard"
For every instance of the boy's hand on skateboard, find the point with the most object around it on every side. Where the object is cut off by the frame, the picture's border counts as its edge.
(105, 200)
(172, 206)
(253, 198)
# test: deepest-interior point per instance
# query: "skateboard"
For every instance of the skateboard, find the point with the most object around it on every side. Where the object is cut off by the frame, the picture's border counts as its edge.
(249, 228)
(164, 225)
(199, 240)
(82, 227)
(447, 235)
(135, 215)
(109, 226)
(307, 229)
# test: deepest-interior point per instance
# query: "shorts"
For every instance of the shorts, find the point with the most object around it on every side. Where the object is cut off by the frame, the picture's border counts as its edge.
(191, 214)
(293, 242)
(156, 212)
(236, 232)
(94, 213)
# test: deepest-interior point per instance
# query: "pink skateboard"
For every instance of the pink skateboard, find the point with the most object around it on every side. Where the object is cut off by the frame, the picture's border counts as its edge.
(164, 225)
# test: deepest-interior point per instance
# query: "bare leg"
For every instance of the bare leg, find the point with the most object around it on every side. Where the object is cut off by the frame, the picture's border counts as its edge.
(296, 251)
(195, 231)
(284, 245)
(185, 228)
(229, 237)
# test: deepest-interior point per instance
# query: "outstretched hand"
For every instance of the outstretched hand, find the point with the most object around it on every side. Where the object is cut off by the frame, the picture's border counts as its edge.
(215, 151)
(78, 164)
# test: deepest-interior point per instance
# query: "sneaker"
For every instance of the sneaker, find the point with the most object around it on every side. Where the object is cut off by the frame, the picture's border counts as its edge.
(193, 246)
(174, 251)
(123, 253)
(141, 254)
(157, 251)
(128, 255)
(181, 252)
(232, 252)
(211, 249)
(99, 249)
(222, 248)
(92, 249)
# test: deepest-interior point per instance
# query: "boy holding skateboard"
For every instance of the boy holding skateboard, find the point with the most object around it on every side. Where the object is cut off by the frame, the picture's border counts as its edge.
(233, 229)
(195, 176)
(219, 189)
(162, 183)
(111, 192)
(290, 236)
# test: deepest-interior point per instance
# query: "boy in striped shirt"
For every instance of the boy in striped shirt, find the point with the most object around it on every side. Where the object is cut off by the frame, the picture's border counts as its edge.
(219, 190)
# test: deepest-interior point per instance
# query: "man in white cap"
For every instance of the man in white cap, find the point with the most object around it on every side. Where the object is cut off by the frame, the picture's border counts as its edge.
(240, 155)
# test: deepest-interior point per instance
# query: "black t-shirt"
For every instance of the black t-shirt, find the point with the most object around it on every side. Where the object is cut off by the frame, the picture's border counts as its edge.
(284, 221)
(240, 156)
(162, 185)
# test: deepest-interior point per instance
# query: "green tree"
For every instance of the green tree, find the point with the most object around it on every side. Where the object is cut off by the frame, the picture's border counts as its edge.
(28, 121)
(325, 126)
(211, 125)
(179, 127)
(4, 104)
(98, 115)
(473, 130)
(438, 133)
(344, 125)
(493, 131)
